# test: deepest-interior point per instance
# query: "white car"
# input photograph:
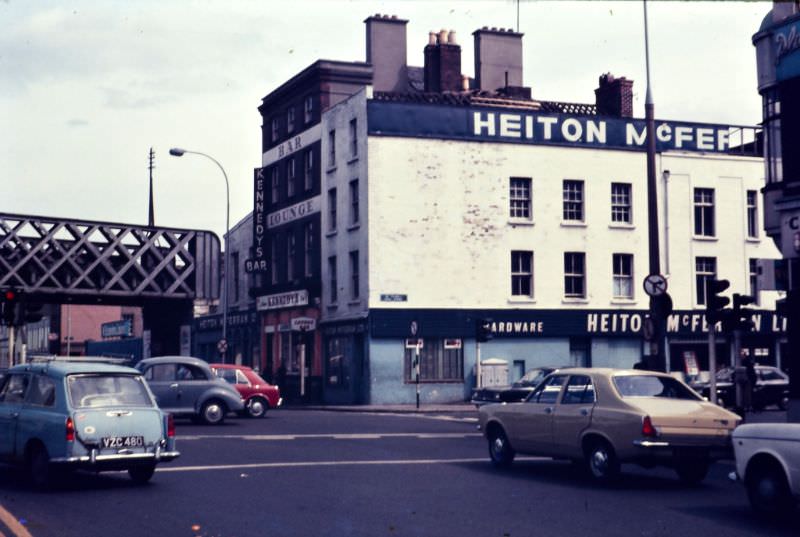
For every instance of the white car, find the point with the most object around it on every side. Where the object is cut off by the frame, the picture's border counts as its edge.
(768, 463)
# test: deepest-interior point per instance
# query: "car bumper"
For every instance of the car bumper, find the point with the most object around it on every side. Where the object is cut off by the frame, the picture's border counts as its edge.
(97, 461)
(664, 449)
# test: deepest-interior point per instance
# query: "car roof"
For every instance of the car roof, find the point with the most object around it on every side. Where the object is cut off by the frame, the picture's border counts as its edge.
(174, 359)
(230, 366)
(64, 367)
(608, 372)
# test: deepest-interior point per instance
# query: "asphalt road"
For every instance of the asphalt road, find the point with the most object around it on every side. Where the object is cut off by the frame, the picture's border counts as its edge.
(318, 473)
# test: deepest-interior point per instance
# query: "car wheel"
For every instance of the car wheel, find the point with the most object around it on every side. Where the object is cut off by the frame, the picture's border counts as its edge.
(601, 461)
(257, 407)
(213, 412)
(38, 467)
(768, 490)
(142, 474)
(692, 472)
(500, 451)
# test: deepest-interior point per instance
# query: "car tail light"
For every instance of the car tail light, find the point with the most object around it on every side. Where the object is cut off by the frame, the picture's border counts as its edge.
(170, 426)
(70, 430)
(647, 427)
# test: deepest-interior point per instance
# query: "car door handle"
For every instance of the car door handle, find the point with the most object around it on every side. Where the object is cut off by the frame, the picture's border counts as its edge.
(174, 385)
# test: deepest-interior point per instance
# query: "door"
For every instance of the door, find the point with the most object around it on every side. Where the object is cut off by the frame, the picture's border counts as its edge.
(162, 381)
(573, 414)
(530, 424)
(192, 384)
(12, 394)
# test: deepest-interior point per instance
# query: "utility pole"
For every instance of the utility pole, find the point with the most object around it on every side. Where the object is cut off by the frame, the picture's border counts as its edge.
(151, 212)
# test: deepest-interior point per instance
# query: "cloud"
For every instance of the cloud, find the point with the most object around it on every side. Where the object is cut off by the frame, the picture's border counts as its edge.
(77, 123)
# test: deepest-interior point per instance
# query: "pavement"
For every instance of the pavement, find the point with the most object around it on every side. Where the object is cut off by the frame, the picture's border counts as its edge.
(764, 416)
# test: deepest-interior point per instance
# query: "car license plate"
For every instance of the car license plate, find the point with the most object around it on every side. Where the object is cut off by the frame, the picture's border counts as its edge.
(123, 441)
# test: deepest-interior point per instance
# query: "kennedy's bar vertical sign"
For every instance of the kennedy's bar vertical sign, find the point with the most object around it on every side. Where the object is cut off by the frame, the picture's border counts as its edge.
(258, 262)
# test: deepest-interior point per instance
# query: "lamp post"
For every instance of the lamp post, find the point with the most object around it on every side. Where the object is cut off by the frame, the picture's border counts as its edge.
(177, 152)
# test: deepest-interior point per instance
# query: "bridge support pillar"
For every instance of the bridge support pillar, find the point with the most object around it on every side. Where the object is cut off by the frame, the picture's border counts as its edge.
(164, 320)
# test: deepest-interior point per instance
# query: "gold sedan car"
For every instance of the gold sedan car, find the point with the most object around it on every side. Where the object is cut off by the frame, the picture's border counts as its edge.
(606, 417)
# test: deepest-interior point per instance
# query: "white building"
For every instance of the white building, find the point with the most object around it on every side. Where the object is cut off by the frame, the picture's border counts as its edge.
(441, 208)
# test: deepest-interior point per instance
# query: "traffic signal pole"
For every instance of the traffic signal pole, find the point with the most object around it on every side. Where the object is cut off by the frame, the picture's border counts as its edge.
(712, 362)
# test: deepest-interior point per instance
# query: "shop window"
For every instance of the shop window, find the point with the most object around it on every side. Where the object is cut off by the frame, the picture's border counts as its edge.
(336, 370)
(438, 362)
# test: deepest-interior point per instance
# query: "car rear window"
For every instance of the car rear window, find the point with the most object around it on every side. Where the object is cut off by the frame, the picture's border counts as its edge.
(652, 386)
(89, 391)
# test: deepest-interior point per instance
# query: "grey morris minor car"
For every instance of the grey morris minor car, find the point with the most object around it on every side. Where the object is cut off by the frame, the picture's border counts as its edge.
(605, 417)
(186, 386)
(62, 414)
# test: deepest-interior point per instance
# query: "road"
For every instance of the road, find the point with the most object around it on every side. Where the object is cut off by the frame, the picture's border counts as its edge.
(318, 473)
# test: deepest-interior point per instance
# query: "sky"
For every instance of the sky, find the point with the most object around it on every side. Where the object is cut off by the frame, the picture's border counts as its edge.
(87, 87)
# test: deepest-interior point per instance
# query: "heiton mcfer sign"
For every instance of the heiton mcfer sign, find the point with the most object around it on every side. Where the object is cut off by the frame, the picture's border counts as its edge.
(532, 127)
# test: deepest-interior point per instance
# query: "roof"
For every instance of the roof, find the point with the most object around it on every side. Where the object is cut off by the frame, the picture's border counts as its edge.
(174, 359)
(62, 368)
(610, 371)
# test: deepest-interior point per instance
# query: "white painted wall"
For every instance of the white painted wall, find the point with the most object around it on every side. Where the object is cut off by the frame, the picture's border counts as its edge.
(439, 229)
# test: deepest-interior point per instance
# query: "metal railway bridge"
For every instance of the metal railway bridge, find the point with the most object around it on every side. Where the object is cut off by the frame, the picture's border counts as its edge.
(163, 270)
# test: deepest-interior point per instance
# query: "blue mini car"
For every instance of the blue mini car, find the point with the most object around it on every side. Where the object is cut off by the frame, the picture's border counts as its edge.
(62, 414)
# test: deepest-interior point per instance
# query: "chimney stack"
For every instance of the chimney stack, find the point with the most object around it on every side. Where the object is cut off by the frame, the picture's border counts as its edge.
(386, 52)
(442, 62)
(614, 97)
(498, 58)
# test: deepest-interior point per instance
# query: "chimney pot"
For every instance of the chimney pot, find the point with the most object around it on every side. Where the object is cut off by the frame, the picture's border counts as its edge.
(431, 38)
(451, 38)
(442, 37)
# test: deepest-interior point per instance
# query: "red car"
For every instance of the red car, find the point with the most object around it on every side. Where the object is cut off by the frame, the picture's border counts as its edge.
(258, 394)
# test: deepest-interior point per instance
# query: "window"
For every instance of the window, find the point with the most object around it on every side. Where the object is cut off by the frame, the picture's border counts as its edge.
(275, 182)
(332, 149)
(308, 109)
(290, 120)
(773, 157)
(354, 284)
(652, 386)
(705, 270)
(308, 170)
(332, 209)
(753, 273)
(580, 391)
(520, 197)
(438, 361)
(308, 248)
(336, 370)
(522, 273)
(333, 281)
(752, 214)
(574, 275)
(15, 388)
(623, 275)
(290, 253)
(353, 138)
(290, 177)
(573, 200)
(87, 391)
(42, 392)
(275, 129)
(354, 202)
(234, 271)
(547, 392)
(704, 212)
(274, 260)
(621, 203)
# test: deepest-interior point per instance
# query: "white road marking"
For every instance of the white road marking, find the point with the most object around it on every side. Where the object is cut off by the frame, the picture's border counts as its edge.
(13, 524)
(307, 464)
(335, 436)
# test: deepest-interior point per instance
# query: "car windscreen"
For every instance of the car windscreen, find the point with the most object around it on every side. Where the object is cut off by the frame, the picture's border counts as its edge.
(725, 374)
(89, 391)
(652, 386)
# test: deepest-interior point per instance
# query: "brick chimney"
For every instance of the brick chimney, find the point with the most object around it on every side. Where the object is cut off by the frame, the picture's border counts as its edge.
(443, 62)
(386, 52)
(614, 97)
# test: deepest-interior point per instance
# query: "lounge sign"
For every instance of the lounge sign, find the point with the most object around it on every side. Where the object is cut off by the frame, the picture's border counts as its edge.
(518, 126)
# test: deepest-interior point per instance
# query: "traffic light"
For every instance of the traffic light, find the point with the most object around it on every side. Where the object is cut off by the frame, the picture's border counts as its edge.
(483, 330)
(714, 302)
(12, 307)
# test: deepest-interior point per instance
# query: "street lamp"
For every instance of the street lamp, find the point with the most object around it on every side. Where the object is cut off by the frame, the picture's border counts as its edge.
(177, 152)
